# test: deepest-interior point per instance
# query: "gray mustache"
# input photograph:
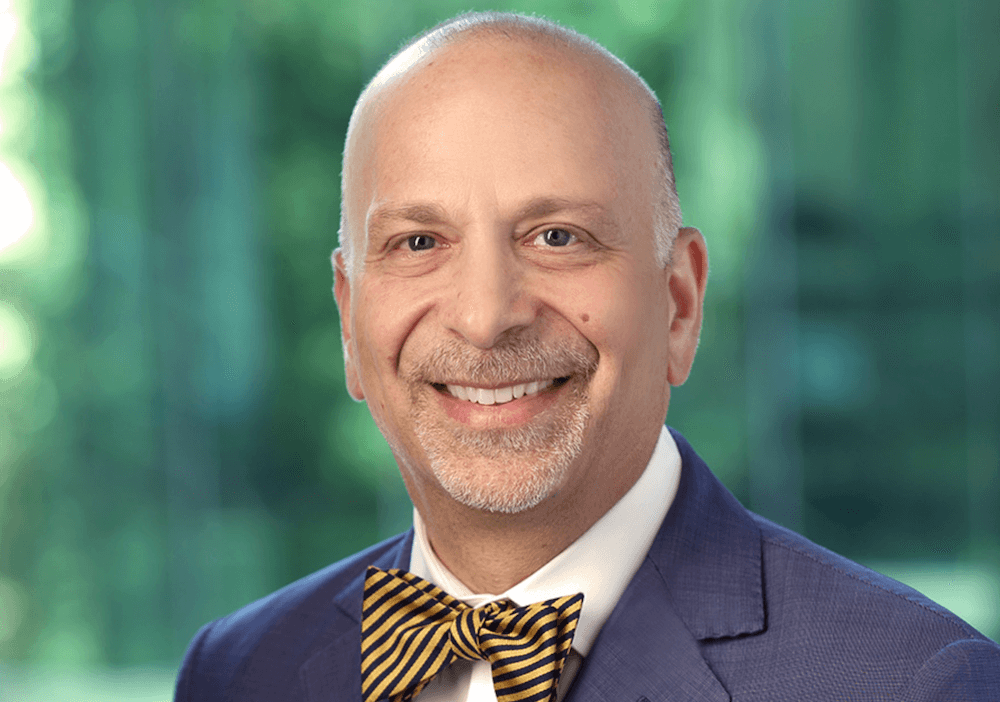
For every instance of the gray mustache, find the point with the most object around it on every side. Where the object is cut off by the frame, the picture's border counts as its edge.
(511, 360)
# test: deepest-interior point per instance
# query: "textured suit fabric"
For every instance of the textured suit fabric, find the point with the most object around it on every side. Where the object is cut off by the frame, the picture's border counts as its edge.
(726, 606)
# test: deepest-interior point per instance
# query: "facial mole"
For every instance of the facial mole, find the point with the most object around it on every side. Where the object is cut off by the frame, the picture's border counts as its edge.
(585, 317)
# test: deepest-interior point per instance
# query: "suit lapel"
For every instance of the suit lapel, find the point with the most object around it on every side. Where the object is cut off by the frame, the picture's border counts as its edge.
(708, 552)
(645, 652)
(333, 673)
(701, 580)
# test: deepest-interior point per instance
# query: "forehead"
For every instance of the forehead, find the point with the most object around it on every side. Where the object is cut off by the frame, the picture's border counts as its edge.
(494, 100)
(506, 121)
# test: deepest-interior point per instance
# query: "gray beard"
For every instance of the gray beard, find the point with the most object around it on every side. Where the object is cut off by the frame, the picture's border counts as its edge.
(523, 466)
(504, 470)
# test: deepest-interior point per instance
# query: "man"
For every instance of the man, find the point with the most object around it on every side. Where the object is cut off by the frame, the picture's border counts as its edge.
(517, 297)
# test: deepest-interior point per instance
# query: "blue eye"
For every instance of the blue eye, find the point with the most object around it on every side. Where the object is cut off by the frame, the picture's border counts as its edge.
(557, 237)
(421, 242)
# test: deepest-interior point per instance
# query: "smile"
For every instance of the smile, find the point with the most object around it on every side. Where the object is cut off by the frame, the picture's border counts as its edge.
(498, 396)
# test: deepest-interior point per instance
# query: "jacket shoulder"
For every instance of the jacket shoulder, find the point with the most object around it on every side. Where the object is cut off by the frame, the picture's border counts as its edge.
(860, 632)
(262, 646)
(791, 560)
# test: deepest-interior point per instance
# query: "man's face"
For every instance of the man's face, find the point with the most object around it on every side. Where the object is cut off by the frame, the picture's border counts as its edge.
(510, 328)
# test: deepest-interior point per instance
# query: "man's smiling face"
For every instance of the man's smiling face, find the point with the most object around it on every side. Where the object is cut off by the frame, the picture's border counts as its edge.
(508, 322)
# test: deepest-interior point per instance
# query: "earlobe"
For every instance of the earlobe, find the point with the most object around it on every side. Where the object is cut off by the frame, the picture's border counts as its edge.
(342, 294)
(688, 277)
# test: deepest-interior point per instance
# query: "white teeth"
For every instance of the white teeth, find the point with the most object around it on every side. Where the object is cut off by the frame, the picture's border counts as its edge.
(497, 396)
(486, 396)
(504, 395)
(459, 392)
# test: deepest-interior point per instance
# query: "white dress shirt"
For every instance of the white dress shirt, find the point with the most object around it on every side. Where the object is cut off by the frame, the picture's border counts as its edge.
(599, 564)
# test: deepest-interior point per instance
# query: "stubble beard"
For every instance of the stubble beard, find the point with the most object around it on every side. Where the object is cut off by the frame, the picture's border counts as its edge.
(511, 469)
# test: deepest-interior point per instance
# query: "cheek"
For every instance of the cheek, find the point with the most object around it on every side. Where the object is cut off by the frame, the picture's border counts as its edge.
(393, 329)
(381, 325)
(611, 315)
(376, 351)
(626, 323)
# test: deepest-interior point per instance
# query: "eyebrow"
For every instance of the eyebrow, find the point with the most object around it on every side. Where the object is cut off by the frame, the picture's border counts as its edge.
(545, 206)
(432, 213)
(423, 213)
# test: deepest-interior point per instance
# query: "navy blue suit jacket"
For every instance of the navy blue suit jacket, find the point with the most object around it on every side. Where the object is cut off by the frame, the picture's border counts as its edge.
(726, 606)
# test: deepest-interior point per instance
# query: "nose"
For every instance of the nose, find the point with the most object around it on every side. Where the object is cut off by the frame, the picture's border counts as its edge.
(489, 297)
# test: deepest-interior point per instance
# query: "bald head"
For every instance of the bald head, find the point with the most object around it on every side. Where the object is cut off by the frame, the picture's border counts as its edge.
(443, 59)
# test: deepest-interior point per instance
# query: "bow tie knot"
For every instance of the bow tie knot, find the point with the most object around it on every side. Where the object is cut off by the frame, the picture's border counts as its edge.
(473, 627)
(411, 630)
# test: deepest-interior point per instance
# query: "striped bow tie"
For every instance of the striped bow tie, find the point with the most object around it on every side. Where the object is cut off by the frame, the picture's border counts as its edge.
(411, 630)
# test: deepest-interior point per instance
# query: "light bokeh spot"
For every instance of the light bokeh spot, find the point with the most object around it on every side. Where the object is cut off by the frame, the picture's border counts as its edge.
(15, 342)
(8, 25)
(16, 208)
(14, 608)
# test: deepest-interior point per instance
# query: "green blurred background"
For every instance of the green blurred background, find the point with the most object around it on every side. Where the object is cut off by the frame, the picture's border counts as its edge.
(175, 438)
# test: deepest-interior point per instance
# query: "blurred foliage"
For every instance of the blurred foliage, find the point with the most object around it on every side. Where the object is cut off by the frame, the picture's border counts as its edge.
(175, 439)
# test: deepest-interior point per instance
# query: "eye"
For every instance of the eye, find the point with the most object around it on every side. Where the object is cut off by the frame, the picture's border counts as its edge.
(420, 242)
(555, 237)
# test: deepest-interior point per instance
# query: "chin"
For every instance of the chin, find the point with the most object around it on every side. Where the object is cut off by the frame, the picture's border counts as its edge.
(505, 471)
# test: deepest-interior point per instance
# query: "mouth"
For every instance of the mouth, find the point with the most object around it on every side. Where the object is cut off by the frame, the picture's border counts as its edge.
(499, 395)
(514, 384)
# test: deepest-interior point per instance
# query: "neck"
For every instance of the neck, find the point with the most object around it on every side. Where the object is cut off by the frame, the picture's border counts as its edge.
(491, 552)
(497, 551)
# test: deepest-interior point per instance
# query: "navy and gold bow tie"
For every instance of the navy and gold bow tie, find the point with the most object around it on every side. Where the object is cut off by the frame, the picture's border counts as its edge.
(412, 629)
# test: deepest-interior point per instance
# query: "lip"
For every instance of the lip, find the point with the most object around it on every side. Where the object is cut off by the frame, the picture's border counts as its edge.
(516, 412)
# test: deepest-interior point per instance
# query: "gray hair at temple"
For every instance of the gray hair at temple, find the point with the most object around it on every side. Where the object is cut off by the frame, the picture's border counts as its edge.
(515, 27)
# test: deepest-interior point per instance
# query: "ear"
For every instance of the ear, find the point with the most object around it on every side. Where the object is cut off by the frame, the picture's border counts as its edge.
(342, 293)
(688, 275)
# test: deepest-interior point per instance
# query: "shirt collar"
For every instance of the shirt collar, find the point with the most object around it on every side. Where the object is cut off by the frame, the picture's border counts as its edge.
(599, 564)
